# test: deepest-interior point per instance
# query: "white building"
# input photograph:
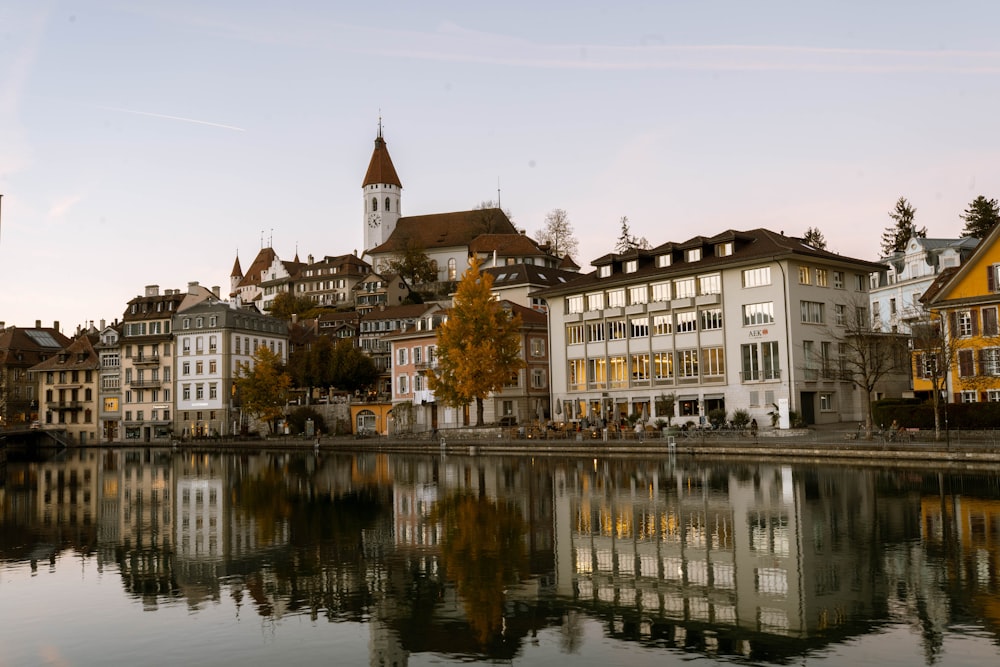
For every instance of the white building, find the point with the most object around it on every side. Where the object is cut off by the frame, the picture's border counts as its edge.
(742, 320)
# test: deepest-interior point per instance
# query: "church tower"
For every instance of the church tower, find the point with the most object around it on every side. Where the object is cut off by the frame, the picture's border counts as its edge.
(381, 191)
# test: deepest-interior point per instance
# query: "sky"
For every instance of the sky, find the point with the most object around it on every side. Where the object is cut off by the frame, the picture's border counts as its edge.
(153, 143)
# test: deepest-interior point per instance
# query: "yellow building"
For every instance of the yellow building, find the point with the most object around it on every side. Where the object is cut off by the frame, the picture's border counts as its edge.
(967, 301)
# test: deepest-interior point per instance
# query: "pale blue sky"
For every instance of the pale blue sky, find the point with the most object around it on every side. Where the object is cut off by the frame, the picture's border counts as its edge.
(149, 142)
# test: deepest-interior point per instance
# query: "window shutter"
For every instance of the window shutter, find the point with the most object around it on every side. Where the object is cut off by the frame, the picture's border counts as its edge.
(974, 316)
(957, 397)
(953, 323)
(991, 278)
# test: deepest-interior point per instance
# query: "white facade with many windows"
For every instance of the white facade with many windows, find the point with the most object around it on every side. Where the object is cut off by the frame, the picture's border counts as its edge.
(744, 320)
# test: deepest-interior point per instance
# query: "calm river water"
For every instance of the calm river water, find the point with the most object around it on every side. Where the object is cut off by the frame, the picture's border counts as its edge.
(153, 557)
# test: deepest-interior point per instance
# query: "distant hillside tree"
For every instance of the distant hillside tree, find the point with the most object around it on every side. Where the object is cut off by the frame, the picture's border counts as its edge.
(412, 265)
(558, 234)
(479, 345)
(815, 238)
(287, 304)
(894, 238)
(981, 217)
(352, 369)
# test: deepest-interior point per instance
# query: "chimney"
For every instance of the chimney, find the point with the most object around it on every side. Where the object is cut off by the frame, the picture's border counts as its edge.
(102, 324)
(215, 291)
(55, 325)
(152, 290)
(193, 287)
(38, 324)
(310, 258)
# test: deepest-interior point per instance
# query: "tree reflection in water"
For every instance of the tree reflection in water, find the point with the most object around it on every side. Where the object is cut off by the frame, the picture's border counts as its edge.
(483, 552)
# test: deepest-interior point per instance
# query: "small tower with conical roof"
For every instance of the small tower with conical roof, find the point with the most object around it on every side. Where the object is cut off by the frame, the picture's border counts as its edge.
(381, 192)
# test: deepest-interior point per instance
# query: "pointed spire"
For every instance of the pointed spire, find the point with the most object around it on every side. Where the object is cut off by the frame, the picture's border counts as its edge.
(380, 169)
(237, 271)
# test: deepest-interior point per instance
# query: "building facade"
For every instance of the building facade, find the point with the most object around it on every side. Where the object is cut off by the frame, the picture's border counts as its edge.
(68, 390)
(750, 320)
(20, 349)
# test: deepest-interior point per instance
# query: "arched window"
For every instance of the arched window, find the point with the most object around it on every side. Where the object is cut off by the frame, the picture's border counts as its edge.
(452, 272)
(365, 422)
(374, 203)
(387, 207)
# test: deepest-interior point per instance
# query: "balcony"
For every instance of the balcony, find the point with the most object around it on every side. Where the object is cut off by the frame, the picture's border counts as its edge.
(144, 384)
(64, 405)
(761, 375)
(146, 360)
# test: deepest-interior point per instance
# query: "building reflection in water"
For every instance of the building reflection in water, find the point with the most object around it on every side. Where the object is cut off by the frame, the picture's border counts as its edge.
(475, 556)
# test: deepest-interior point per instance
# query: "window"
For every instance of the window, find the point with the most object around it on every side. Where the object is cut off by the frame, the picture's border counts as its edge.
(992, 275)
(616, 330)
(990, 321)
(577, 374)
(199, 367)
(724, 249)
(711, 319)
(993, 395)
(663, 261)
(821, 278)
(663, 366)
(538, 378)
(713, 362)
(574, 304)
(809, 359)
(693, 255)
(401, 356)
(662, 325)
(758, 313)
(595, 332)
(637, 295)
(574, 334)
(892, 307)
(689, 363)
(811, 312)
(186, 392)
(452, 269)
(661, 291)
(859, 283)
(964, 321)
(640, 369)
(826, 402)
(631, 266)
(604, 271)
(989, 361)
(537, 349)
(213, 391)
(927, 364)
(825, 358)
(968, 397)
(804, 275)
(639, 327)
(597, 375)
(757, 277)
(403, 384)
(617, 372)
(418, 352)
(595, 301)
(616, 298)
(199, 391)
(710, 284)
(687, 322)
(838, 279)
(760, 361)
(684, 288)
(839, 314)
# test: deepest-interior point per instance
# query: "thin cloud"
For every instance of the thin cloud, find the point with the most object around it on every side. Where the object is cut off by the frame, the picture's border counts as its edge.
(59, 208)
(169, 117)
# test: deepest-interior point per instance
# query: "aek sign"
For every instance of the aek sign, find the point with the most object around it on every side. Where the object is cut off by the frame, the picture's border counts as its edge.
(758, 333)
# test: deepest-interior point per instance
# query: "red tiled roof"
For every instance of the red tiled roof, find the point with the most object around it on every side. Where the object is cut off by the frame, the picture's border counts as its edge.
(508, 244)
(263, 260)
(444, 230)
(380, 169)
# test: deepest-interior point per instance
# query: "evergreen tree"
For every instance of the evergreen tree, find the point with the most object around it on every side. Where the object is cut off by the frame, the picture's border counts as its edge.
(479, 345)
(981, 217)
(894, 238)
(628, 242)
(815, 238)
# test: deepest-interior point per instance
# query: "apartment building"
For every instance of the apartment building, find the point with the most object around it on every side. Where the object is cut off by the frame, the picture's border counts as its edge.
(752, 319)
(213, 339)
(109, 411)
(68, 389)
(20, 349)
(147, 365)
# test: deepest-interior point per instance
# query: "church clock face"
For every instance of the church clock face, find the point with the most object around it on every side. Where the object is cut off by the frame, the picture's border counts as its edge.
(374, 220)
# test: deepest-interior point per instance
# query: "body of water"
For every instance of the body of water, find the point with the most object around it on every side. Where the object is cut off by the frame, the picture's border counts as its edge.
(160, 557)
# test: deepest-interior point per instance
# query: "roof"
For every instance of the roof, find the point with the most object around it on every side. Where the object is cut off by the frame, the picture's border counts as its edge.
(507, 244)
(749, 246)
(260, 263)
(444, 230)
(26, 347)
(529, 274)
(380, 169)
(78, 355)
(941, 294)
(939, 282)
(402, 312)
(237, 271)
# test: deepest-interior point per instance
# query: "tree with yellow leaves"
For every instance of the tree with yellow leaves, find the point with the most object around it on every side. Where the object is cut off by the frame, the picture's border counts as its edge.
(479, 345)
(262, 387)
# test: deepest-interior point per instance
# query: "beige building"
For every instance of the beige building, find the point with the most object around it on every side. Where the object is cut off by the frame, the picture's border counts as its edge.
(68, 384)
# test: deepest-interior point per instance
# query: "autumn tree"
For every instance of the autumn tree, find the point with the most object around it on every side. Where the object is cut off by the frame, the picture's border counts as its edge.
(311, 365)
(479, 345)
(287, 304)
(412, 265)
(262, 386)
(981, 217)
(815, 238)
(894, 238)
(558, 234)
(351, 369)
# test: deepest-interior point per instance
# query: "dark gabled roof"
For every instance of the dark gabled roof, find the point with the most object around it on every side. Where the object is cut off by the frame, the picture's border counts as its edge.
(445, 230)
(506, 244)
(529, 316)
(529, 274)
(78, 355)
(568, 264)
(939, 282)
(748, 246)
(380, 169)
(26, 347)
(403, 312)
(941, 295)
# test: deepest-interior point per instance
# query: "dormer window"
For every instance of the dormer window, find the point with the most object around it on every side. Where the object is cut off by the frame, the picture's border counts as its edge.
(724, 249)
(694, 255)
(663, 261)
(631, 266)
(604, 271)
